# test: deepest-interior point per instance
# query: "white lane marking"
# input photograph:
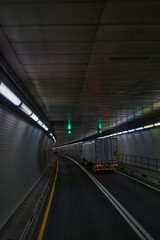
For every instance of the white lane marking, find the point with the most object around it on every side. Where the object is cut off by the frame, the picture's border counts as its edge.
(138, 181)
(139, 230)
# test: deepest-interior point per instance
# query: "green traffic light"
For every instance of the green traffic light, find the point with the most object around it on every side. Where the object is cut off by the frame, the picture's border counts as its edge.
(69, 126)
(69, 132)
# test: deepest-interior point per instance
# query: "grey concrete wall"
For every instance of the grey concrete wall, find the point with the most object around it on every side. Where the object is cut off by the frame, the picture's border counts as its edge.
(145, 143)
(25, 152)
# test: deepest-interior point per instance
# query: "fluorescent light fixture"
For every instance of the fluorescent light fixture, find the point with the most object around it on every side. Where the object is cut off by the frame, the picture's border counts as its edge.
(157, 124)
(111, 135)
(139, 128)
(46, 128)
(131, 130)
(119, 133)
(7, 93)
(149, 126)
(54, 139)
(25, 109)
(114, 134)
(40, 123)
(103, 137)
(34, 117)
(88, 143)
(124, 132)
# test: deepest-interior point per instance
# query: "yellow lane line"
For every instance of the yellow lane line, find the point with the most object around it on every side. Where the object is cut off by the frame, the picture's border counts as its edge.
(40, 236)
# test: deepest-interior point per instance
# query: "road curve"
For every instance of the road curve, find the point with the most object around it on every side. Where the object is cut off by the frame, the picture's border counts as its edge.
(80, 211)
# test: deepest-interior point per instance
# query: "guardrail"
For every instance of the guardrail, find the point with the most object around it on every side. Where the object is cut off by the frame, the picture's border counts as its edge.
(139, 161)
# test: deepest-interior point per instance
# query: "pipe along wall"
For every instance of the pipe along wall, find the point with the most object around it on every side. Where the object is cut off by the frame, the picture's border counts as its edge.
(25, 152)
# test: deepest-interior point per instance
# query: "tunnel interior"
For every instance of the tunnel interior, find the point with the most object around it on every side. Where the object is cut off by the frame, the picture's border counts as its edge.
(72, 72)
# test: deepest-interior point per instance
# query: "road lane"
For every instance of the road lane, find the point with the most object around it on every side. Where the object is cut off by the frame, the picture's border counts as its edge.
(142, 202)
(79, 210)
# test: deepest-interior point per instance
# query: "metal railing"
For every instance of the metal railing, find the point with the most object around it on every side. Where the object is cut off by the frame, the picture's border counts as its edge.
(139, 161)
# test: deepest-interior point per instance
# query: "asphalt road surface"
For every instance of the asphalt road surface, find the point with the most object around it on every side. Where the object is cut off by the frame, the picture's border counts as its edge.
(82, 209)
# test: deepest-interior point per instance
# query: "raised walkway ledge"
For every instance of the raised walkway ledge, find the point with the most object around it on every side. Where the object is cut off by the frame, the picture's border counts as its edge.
(145, 175)
(23, 221)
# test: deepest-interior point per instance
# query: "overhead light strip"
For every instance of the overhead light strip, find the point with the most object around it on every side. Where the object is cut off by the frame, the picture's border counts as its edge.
(25, 109)
(34, 117)
(131, 130)
(7, 93)
(148, 126)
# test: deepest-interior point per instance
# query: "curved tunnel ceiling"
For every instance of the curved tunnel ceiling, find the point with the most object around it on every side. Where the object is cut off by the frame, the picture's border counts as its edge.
(85, 62)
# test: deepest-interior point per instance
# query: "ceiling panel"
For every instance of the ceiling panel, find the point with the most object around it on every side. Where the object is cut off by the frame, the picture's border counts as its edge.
(53, 59)
(48, 48)
(121, 67)
(55, 68)
(50, 13)
(127, 12)
(88, 59)
(127, 47)
(50, 33)
(140, 32)
(50, 1)
(51, 75)
(124, 58)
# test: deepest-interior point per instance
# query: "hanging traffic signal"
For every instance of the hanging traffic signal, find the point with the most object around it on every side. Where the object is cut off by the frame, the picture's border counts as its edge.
(99, 130)
(69, 126)
(99, 126)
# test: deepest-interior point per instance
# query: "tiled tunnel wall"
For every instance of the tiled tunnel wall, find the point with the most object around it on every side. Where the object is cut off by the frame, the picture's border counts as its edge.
(25, 152)
(145, 143)
(141, 149)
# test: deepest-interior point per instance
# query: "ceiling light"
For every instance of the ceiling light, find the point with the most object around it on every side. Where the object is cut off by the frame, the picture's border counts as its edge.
(119, 133)
(54, 139)
(111, 135)
(131, 130)
(124, 132)
(6, 92)
(34, 117)
(44, 126)
(25, 109)
(102, 137)
(149, 126)
(40, 123)
(157, 124)
(139, 128)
